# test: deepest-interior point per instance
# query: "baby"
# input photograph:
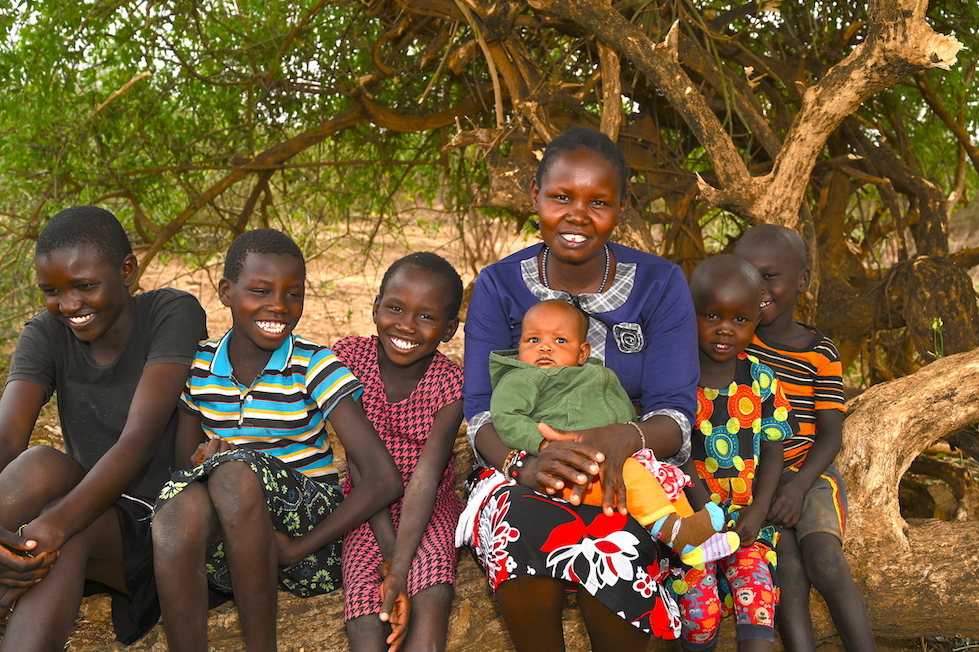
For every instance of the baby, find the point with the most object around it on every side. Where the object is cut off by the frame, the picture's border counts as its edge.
(549, 379)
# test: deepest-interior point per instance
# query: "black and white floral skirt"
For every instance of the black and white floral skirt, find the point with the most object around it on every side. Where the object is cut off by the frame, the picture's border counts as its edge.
(516, 531)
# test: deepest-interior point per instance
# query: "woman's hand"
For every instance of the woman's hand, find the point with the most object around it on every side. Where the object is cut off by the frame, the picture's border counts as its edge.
(563, 462)
(596, 451)
(209, 449)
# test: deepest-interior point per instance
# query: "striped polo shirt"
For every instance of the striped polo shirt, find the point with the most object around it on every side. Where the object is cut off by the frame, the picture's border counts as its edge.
(812, 379)
(283, 412)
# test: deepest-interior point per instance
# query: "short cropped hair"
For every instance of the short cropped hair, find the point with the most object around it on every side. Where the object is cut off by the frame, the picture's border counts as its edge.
(85, 226)
(433, 264)
(259, 241)
(720, 271)
(583, 138)
(775, 235)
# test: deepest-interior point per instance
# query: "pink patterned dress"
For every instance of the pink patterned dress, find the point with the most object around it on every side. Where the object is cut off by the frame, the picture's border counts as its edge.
(404, 428)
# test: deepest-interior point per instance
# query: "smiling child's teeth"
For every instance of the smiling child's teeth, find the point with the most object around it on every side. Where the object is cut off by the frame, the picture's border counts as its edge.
(404, 345)
(273, 327)
(81, 319)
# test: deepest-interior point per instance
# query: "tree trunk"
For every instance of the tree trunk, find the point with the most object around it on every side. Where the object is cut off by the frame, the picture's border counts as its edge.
(918, 578)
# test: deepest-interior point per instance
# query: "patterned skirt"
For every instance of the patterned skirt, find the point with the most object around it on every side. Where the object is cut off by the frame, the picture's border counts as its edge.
(516, 531)
(296, 504)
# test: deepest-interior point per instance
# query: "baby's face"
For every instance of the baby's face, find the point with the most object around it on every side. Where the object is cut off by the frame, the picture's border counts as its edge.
(552, 337)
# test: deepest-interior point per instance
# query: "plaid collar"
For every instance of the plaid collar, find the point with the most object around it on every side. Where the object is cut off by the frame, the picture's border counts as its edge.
(591, 303)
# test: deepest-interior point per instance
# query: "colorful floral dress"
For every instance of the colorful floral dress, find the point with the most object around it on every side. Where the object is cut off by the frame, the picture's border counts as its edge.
(404, 427)
(726, 443)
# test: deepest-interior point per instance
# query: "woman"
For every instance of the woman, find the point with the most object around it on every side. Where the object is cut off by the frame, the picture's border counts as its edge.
(642, 325)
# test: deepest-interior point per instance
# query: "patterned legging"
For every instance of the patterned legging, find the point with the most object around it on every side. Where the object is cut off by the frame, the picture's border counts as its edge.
(752, 597)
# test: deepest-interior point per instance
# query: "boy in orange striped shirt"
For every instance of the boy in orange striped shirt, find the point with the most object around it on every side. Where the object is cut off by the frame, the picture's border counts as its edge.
(810, 503)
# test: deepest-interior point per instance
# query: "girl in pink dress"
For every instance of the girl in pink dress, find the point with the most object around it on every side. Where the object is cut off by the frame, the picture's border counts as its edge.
(413, 396)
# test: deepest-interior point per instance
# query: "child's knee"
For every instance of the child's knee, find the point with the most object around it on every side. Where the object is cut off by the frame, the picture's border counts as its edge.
(235, 488)
(435, 596)
(233, 478)
(367, 633)
(825, 564)
(184, 518)
(36, 478)
(430, 617)
(46, 465)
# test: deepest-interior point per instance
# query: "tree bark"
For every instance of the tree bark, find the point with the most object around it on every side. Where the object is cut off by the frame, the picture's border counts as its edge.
(918, 578)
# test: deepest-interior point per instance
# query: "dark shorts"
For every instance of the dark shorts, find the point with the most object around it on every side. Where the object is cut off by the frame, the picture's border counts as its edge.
(135, 614)
(824, 506)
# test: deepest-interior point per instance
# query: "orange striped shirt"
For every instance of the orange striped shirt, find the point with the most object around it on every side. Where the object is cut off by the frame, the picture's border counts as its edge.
(812, 379)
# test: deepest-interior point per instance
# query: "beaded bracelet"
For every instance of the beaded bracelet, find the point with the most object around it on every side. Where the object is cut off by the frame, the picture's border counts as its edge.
(508, 462)
(642, 437)
(514, 462)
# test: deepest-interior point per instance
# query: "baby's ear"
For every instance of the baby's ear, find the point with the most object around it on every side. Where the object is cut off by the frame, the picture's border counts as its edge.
(585, 352)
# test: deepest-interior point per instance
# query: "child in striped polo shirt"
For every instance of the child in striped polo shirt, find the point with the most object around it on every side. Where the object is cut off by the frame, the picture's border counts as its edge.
(810, 503)
(260, 506)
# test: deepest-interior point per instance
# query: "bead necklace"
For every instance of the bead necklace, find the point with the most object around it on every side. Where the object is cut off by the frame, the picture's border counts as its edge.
(543, 269)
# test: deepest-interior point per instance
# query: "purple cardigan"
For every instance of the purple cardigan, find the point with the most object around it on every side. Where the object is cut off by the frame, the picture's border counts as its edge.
(662, 375)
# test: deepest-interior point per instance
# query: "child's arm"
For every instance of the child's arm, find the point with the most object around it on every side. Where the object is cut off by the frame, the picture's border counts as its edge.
(394, 602)
(698, 495)
(381, 488)
(20, 404)
(767, 474)
(419, 498)
(152, 405)
(191, 446)
(787, 503)
(188, 441)
(381, 523)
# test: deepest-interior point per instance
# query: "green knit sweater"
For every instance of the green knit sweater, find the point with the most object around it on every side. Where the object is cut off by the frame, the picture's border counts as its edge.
(565, 398)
